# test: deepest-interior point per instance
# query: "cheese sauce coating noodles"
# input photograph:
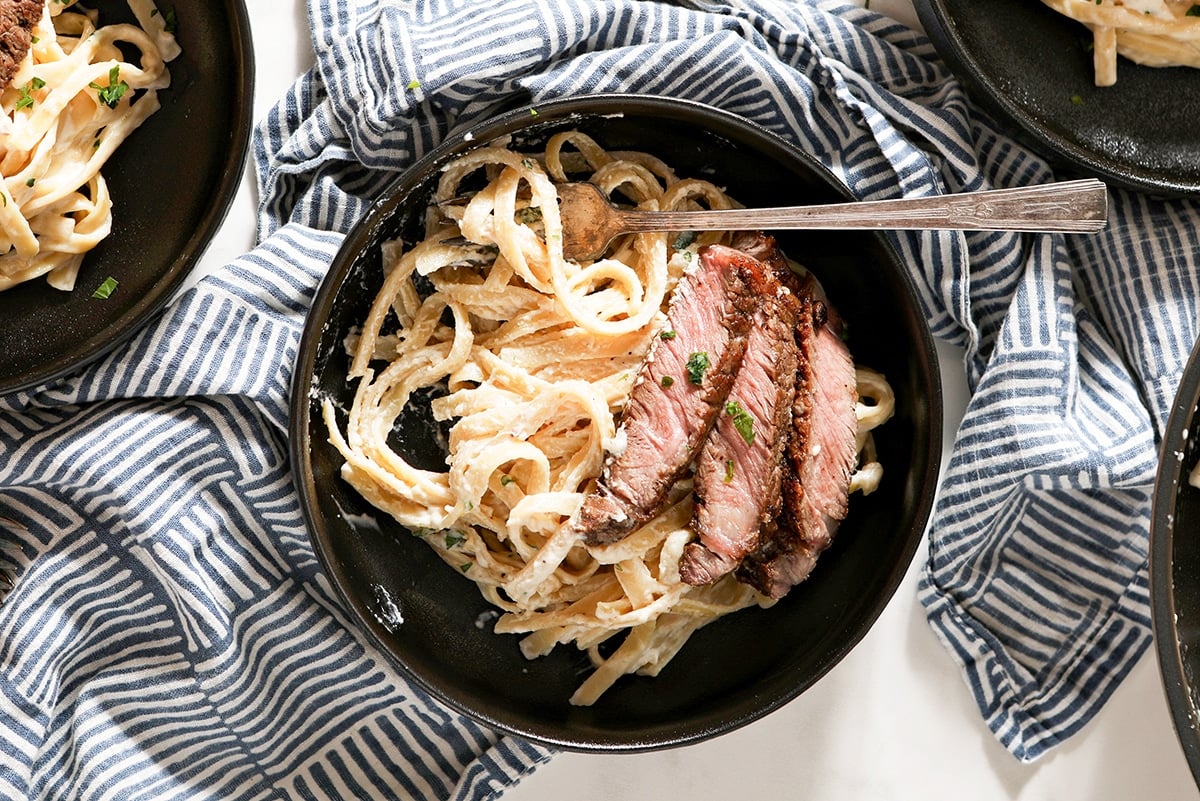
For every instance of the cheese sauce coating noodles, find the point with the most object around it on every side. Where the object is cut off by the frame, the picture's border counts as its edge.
(73, 101)
(1154, 33)
(535, 368)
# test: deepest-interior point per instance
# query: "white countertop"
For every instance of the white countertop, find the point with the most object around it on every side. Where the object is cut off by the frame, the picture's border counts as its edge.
(894, 720)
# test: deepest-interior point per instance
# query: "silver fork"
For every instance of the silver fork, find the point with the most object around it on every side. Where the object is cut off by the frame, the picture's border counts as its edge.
(590, 221)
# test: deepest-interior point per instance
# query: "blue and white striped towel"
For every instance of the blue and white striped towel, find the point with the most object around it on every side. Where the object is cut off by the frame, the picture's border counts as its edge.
(170, 633)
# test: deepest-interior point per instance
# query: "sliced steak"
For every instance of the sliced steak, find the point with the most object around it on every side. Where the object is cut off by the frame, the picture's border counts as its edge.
(819, 458)
(17, 18)
(680, 388)
(739, 471)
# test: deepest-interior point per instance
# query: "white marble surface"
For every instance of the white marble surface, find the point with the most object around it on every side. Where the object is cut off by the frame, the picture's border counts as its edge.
(894, 720)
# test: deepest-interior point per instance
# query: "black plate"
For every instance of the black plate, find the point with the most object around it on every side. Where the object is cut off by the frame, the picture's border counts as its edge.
(732, 671)
(1175, 563)
(1032, 68)
(171, 181)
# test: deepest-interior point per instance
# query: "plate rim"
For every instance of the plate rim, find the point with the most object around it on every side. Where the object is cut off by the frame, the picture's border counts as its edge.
(940, 27)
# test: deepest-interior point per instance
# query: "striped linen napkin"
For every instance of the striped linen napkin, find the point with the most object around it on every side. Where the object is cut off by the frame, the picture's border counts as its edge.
(169, 632)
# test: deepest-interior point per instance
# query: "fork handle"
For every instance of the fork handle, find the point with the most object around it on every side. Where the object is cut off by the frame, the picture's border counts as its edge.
(1068, 207)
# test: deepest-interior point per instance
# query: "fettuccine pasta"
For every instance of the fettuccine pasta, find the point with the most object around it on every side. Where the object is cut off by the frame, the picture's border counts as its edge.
(535, 358)
(1155, 33)
(71, 104)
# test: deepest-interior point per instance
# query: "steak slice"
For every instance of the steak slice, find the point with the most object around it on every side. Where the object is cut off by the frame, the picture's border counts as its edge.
(17, 18)
(739, 472)
(819, 458)
(680, 388)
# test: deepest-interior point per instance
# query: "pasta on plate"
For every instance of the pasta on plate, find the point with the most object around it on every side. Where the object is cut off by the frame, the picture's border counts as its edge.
(533, 358)
(1155, 33)
(76, 97)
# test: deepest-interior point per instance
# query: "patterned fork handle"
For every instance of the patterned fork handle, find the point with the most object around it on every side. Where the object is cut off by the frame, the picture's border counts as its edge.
(1067, 207)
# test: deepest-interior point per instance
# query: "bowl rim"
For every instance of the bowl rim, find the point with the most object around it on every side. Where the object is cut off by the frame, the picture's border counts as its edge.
(300, 417)
(1164, 608)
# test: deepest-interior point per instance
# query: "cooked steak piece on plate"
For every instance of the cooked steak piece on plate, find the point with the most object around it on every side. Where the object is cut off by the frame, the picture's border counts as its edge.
(819, 458)
(739, 470)
(680, 388)
(17, 18)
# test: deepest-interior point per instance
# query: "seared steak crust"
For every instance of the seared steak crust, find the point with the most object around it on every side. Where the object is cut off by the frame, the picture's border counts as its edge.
(739, 471)
(17, 18)
(679, 390)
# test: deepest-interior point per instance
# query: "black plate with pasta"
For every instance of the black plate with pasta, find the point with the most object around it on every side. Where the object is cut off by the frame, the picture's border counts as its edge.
(171, 183)
(1033, 69)
(405, 584)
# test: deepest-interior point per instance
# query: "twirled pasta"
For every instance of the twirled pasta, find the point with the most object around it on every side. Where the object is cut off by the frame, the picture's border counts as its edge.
(1154, 33)
(536, 366)
(73, 101)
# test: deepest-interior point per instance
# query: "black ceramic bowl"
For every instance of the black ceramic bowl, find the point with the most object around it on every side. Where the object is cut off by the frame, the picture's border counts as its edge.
(171, 181)
(737, 668)
(1032, 68)
(1175, 563)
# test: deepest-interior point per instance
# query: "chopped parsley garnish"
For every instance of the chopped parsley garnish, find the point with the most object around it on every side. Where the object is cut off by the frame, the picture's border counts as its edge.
(111, 95)
(31, 182)
(667, 381)
(105, 290)
(455, 538)
(728, 470)
(505, 480)
(742, 421)
(533, 112)
(528, 215)
(465, 567)
(170, 23)
(26, 98)
(697, 366)
(1077, 100)
(683, 239)
(666, 335)
(414, 84)
(1194, 11)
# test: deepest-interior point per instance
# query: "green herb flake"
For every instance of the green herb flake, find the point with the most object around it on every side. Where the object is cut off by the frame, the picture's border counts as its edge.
(666, 335)
(1194, 11)
(505, 480)
(31, 182)
(111, 95)
(465, 567)
(413, 84)
(533, 112)
(25, 100)
(697, 365)
(742, 421)
(667, 381)
(528, 215)
(683, 239)
(170, 21)
(105, 290)
(728, 470)
(1076, 100)
(455, 538)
